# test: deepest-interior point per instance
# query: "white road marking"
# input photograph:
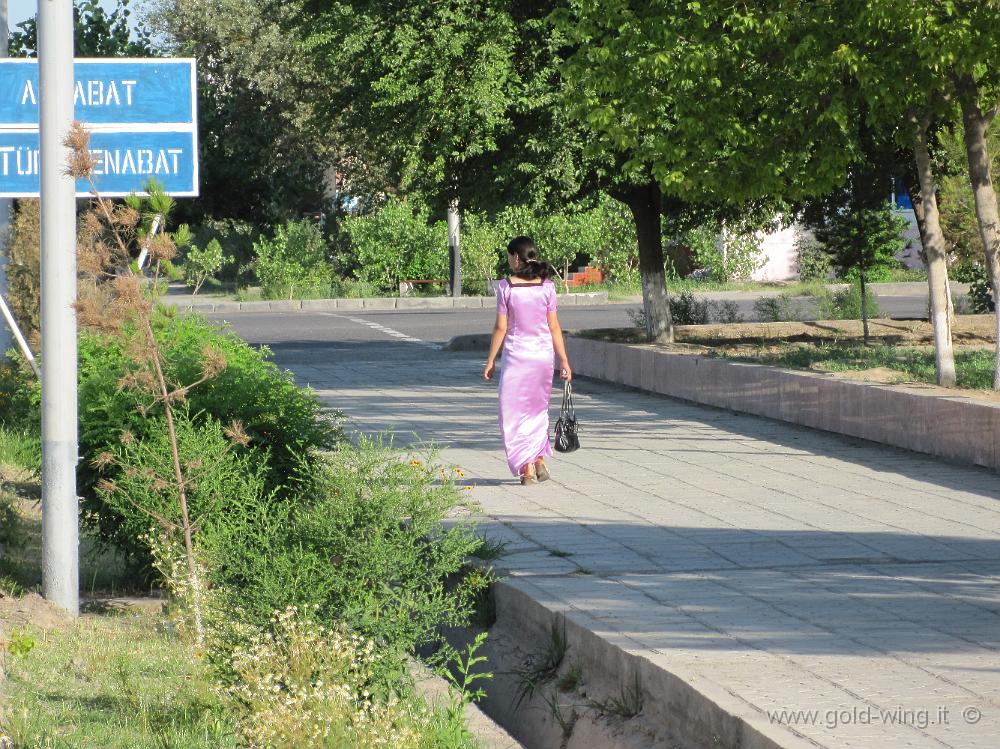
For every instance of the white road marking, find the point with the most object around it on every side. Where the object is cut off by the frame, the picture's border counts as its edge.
(387, 331)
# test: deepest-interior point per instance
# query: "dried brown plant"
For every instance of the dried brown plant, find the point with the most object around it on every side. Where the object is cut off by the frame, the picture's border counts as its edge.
(117, 300)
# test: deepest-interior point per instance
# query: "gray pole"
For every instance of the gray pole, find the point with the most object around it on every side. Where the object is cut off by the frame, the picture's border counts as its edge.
(454, 252)
(60, 530)
(5, 203)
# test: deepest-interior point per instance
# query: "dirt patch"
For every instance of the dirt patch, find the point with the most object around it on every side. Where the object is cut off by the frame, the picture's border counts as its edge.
(31, 609)
(970, 330)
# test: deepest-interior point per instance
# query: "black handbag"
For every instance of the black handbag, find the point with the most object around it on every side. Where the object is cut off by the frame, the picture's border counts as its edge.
(566, 428)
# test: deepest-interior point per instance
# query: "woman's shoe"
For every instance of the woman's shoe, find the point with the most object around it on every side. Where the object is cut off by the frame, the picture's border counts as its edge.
(542, 470)
(528, 476)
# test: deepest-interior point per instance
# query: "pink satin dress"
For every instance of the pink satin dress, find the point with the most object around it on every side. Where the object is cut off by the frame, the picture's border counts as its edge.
(526, 371)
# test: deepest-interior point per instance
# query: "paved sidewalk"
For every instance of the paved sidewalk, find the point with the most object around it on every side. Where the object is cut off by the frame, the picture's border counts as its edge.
(794, 570)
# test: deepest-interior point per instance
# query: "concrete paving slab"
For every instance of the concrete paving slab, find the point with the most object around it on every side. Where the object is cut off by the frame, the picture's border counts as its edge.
(775, 586)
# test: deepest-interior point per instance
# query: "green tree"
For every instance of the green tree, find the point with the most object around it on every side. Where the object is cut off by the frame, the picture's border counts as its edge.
(263, 156)
(956, 201)
(398, 242)
(715, 103)
(863, 244)
(936, 60)
(200, 264)
(96, 33)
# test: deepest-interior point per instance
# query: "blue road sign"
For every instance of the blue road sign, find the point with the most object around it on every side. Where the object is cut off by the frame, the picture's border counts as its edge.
(141, 113)
(109, 91)
(126, 161)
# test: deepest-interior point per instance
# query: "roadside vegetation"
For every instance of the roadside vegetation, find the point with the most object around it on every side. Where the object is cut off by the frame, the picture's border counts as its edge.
(301, 572)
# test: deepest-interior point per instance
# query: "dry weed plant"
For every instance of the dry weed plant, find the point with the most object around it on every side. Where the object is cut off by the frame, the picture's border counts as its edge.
(116, 299)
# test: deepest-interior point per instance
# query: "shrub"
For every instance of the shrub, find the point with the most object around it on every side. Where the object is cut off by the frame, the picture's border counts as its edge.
(846, 305)
(687, 309)
(865, 240)
(348, 288)
(19, 395)
(283, 421)
(218, 476)
(813, 261)
(293, 261)
(237, 239)
(306, 685)
(727, 312)
(980, 291)
(778, 309)
(398, 242)
(769, 309)
(365, 544)
(726, 256)
(23, 270)
(199, 263)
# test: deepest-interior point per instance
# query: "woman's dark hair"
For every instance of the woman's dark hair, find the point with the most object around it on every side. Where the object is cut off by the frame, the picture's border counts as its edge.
(531, 266)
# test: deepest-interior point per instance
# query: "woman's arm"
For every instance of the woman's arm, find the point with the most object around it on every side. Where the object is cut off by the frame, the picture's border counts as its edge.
(499, 333)
(559, 345)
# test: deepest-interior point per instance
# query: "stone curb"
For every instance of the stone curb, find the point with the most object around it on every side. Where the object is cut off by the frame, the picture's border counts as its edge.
(374, 303)
(947, 426)
(693, 709)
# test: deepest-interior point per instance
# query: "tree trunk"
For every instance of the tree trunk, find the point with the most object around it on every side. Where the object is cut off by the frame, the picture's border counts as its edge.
(454, 252)
(644, 203)
(935, 256)
(975, 125)
(864, 306)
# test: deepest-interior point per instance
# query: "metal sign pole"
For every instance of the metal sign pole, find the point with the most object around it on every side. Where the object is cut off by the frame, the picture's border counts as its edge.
(60, 524)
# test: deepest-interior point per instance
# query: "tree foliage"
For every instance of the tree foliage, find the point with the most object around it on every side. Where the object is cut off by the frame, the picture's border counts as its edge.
(723, 102)
(262, 158)
(96, 33)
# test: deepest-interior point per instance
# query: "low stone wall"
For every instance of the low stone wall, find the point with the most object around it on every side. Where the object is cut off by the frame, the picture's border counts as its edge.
(375, 303)
(919, 419)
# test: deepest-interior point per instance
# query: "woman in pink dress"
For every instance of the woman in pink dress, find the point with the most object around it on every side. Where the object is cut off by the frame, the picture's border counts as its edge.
(527, 328)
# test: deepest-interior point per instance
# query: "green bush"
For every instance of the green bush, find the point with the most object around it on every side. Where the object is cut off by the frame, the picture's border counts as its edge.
(365, 543)
(23, 270)
(348, 288)
(736, 259)
(980, 291)
(396, 243)
(846, 305)
(237, 239)
(293, 262)
(282, 420)
(200, 264)
(779, 309)
(814, 262)
(687, 309)
(219, 476)
(864, 240)
(19, 395)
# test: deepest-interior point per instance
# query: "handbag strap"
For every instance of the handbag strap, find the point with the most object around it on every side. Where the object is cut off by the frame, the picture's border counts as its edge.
(568, 410)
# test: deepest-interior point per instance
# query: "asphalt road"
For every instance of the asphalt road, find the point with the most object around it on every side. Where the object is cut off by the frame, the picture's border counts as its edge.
(434, 327)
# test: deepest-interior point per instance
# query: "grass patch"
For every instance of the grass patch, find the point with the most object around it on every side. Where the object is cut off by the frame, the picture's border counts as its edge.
(110, 682)
(20, 449)
(974, 368)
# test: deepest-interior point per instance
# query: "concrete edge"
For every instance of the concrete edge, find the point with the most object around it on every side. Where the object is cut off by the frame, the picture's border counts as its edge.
(381, 304)
(470, 342)
(691, 708)
(949, 426)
